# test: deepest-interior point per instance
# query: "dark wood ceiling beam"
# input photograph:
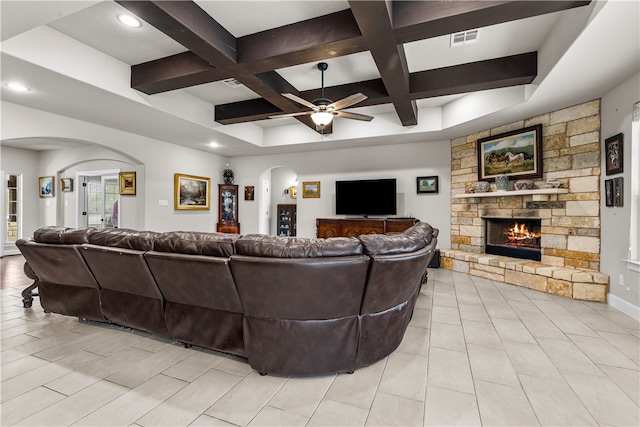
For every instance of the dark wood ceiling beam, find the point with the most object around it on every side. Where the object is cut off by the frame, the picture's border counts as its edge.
(482, 75)
(418, 20)
(189, 25)
(173, 72)
(333, 35)
(374, 21)
(337, 34)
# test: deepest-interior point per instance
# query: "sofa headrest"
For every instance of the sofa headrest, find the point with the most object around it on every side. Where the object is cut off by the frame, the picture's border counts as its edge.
(196, 243)
(124, 238)
(412, 239)
(63, 235)
(296, 247)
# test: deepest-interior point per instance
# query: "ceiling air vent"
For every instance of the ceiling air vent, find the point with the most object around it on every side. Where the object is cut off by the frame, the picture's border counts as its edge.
(232, 83)
(464, 37)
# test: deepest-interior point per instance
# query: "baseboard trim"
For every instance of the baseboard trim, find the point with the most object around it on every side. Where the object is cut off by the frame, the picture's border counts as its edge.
(624, 306)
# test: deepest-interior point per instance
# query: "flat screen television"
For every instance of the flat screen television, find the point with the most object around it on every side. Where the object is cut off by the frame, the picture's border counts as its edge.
(366, 197)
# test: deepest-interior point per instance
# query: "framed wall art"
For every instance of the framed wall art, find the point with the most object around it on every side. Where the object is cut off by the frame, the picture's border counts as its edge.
(46, 187)
(516, 154)
(608, 192)
(613, 154)
(311, 190)
(618, 191)
(127, 183)
(427, 184)
(293, 191)
(191, 192)
(66, 185)
(249, 192)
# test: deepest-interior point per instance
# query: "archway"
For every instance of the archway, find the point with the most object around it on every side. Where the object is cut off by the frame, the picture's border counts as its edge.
(275, 189)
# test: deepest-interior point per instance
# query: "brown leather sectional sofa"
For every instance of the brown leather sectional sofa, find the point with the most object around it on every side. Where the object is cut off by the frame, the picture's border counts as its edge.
(290, 306)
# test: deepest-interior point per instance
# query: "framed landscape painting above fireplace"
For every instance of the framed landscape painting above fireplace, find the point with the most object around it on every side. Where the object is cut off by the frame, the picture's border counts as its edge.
(517, 154)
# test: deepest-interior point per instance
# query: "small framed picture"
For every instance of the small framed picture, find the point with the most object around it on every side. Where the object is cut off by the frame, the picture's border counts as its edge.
(613, 154)
(66, 184)
(249, 192)
(311, 190)
(608, 192)
(618, 192)
(427, 184)
(127, 183)
(47, 188)
(293, 191)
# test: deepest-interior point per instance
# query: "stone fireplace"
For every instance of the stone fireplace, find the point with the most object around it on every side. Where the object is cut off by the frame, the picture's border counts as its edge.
(516, 238)
(569, 216)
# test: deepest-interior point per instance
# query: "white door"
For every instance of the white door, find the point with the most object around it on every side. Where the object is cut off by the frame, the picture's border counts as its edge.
(265, 206)
(99, 204)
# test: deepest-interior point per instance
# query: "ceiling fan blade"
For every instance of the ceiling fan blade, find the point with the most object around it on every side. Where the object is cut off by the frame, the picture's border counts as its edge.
(302, 113)
(299, 100)
(349, 101)
(354, 116)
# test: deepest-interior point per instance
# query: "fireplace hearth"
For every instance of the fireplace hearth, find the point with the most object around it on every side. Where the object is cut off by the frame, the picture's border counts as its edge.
(513, 237)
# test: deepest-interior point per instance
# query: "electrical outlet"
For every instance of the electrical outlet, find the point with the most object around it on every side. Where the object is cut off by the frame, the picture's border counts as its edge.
(620, 279)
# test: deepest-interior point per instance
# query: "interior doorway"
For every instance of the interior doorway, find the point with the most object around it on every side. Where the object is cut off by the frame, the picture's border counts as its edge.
(98, 199)
(11, 206)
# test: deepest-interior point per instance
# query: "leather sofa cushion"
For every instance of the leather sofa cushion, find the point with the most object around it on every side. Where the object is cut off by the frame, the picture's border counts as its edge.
(261, 245)
(410, 240)
(62, 235)
(195, 243)
(124, 238)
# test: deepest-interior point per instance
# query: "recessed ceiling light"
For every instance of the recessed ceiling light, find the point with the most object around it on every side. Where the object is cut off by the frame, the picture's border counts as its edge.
(214, 145)
(129, 21)
(18, 87)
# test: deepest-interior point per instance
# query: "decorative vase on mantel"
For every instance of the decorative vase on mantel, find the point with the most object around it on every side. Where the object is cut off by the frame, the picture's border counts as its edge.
(502, 182)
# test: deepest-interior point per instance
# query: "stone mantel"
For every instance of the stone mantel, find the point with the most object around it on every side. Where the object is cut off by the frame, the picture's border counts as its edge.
(512, 193)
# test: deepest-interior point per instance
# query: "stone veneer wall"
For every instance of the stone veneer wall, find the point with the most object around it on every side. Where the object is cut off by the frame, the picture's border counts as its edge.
(570, 222)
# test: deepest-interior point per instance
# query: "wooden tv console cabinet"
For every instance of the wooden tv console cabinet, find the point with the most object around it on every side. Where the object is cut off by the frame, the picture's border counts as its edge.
(353, 227)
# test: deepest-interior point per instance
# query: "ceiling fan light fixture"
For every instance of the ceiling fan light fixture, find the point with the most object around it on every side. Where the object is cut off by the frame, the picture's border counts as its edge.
(321, 118)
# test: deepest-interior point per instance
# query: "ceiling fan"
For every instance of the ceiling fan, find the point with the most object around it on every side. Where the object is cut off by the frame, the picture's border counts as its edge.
(323, 109)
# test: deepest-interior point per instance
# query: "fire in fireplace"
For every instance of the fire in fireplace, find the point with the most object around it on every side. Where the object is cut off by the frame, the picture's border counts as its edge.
(514, 237)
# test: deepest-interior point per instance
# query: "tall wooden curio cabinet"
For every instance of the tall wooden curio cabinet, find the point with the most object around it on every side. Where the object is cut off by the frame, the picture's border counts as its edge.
(228, 209)
(286, 220)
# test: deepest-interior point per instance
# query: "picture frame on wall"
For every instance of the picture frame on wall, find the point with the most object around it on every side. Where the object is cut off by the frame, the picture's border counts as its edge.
(608, 192)
(191, 192)
(311, 190)
(516, 154)
(66, 185)
(249, 192)
(618, 191)
(46, 187)
(613, 154)
(426, 184)
(293, 191)
(127, 183)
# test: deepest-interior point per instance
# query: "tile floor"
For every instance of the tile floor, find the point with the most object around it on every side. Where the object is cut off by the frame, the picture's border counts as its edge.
(477, 352)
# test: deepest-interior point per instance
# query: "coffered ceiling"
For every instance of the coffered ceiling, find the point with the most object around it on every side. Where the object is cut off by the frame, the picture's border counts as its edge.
(214, 71)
